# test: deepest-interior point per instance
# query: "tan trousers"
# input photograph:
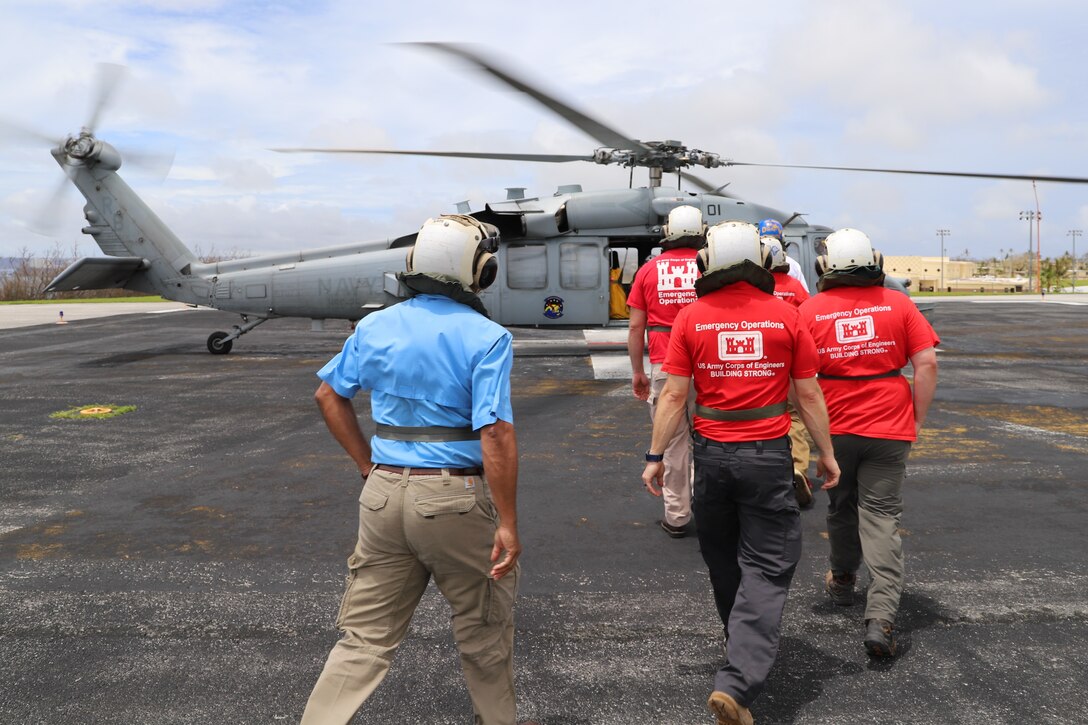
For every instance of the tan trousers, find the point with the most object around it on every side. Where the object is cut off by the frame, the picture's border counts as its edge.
(676, 481)
(410, 529)
(799, 439)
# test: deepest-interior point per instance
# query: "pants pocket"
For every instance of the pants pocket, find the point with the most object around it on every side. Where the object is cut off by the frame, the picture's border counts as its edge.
(499, 597)
(444, 504)
(349, 585)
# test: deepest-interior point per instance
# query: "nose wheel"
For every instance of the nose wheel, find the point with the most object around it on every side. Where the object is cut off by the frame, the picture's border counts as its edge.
(220, 343)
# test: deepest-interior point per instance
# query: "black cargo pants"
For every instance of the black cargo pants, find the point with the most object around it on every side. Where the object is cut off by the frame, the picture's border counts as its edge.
(749, 531)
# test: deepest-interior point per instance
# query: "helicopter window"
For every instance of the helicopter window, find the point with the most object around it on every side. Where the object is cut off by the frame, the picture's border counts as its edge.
(579, 266)
(526, 266)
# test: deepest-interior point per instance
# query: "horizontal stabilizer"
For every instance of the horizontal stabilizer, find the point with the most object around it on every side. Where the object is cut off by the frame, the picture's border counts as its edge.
(97, 273)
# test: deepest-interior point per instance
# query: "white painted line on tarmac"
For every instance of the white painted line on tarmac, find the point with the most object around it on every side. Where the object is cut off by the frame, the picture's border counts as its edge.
(616, 366)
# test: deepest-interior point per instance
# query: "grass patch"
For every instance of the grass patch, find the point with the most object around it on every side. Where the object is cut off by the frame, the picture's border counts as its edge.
(83, 301)
(96, 411)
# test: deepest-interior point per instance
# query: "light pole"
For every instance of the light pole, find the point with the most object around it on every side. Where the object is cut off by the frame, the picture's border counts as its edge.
(1074, 233)
(1030, 216)
(942, 233)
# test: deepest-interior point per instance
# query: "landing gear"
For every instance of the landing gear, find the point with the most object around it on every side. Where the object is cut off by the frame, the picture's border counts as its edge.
(220, 343)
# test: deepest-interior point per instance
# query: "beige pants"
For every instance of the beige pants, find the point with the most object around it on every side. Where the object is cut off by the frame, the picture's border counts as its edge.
(799, 439)
(676, 481)
(410, 529)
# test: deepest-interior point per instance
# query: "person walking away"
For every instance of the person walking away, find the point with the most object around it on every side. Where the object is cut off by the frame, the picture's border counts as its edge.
(773, 228)
(866, 334)
(788, 289)
(661, 288)
(744, 349)
(439, 498)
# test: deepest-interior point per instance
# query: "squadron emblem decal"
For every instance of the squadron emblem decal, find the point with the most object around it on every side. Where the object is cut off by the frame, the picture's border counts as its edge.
(553, 308)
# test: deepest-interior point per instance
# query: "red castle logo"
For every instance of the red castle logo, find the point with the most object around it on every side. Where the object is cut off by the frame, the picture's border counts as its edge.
(740, 345)
(854, 329)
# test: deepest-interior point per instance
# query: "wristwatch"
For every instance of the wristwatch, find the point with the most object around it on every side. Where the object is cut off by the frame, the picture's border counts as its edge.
(654, 457)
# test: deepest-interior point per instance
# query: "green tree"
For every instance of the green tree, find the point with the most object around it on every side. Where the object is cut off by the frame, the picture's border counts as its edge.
(1053, 271)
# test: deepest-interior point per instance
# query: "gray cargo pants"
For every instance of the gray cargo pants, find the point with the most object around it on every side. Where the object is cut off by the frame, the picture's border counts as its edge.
(749, 531)
(863, 517)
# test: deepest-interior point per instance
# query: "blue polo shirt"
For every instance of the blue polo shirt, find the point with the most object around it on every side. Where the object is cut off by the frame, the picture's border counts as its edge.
(427, 361)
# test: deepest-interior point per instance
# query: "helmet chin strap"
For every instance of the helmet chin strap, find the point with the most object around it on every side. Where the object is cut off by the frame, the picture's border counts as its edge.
(691, 242)
(424, 284)
(856, 277)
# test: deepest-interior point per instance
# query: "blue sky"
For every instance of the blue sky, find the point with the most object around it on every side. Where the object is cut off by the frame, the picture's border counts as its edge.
(976, 86)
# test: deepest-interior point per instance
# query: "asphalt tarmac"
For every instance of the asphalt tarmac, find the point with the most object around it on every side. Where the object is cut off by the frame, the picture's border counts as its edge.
(183, 562)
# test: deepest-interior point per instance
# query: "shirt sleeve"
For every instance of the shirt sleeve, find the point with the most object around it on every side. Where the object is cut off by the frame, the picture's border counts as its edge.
(491, 384)
(806, 361)
(920, 334)
(678, 358)
(637, 297)
(342, 372)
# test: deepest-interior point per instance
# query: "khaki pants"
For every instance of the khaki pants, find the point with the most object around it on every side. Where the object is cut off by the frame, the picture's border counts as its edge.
(676, 481)
(863, 517)
(410, 529)
(799, 439)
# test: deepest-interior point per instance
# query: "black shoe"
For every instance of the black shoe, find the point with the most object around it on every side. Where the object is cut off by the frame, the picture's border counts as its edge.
(880, 639)
(676, 532)
(840, 587)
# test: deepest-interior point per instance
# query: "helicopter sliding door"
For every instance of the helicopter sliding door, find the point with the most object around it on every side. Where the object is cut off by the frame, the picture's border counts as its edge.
(557, 281)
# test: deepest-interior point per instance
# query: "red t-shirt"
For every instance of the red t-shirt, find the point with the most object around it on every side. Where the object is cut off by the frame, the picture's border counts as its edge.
(661, 288)
(742, 346)
(788, 289)
(867, 331)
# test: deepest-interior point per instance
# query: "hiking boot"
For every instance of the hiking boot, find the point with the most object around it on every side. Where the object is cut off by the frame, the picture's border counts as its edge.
(675, 532)
(802, 490)
(880, 639)
(727, 710)
(840, 587)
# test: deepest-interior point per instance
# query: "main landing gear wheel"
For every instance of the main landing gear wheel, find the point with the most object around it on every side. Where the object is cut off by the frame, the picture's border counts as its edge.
(218, 344)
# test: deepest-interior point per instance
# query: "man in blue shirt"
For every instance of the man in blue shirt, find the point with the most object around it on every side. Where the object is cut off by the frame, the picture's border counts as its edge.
(440, 475)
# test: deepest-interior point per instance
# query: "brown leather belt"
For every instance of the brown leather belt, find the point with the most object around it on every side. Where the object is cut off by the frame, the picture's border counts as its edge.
(428, 471)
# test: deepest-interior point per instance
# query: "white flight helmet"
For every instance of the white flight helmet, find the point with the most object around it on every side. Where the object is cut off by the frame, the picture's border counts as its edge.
(774, 256)
(458, 247)
(847, 249)
(684, 221)
(729, 243)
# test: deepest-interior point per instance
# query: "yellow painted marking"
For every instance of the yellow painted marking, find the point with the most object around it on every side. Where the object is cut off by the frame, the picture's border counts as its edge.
(37, 552)
(95, 411)
(55, 529)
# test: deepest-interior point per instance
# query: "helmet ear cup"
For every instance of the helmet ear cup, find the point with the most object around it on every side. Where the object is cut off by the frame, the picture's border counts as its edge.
(878, 259)
(702, 260)
(408, 261)
(485, 269)
(821, 265)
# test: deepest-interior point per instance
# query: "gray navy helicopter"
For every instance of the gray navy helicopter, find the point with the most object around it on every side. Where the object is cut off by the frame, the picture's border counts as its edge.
(554, 257)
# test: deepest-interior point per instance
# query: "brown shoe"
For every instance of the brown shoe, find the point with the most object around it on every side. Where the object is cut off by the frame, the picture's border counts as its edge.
(880, 639)
(727, 710)
(802, 489)
(840, 587)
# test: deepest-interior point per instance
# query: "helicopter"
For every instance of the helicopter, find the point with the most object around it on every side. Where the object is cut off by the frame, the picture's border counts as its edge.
(555, 255)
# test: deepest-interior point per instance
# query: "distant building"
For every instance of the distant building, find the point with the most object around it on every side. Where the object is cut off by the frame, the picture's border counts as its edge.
(925, 275)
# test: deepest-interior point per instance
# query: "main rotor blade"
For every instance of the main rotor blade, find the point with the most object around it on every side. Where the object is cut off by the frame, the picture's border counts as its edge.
(706, 185)
(109, 77)
(919, 172)
(605, 134)
(551, 158)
